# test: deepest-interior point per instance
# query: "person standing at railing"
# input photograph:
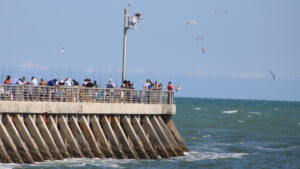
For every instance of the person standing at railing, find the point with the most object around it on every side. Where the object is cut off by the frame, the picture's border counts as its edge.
(110, 84)
(33, 90)
(42, 82)
(7, 80)
(68, 82)
(170, 89)
(33, 81)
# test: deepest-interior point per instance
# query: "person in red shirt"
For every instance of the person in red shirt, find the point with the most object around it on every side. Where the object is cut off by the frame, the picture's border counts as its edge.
(7, 80)
(170, 87)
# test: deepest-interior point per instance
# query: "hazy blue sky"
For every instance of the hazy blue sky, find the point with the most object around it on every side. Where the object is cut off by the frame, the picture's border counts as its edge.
(241, 47)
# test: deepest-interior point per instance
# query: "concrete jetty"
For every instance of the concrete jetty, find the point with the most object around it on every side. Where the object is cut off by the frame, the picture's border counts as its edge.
(52, 123)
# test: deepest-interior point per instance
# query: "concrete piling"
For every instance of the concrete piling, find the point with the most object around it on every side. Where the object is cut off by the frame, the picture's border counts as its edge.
(29, 138)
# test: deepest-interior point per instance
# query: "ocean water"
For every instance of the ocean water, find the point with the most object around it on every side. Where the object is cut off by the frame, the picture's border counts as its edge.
(219, 133)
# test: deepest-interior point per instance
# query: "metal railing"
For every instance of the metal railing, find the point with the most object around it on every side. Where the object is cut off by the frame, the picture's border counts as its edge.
(83, 94)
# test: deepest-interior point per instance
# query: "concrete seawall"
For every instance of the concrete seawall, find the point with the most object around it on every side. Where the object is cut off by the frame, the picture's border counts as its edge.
(28, 138)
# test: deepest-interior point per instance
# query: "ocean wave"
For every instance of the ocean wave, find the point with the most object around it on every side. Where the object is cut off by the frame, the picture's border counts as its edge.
(241, 121)
(74, 163)
(258, 113)
(198, 108)
(195, 156)
(229, 111)
(298, 124)
(206, 136)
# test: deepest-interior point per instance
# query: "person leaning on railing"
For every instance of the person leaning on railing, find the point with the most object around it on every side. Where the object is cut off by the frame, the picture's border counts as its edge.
(170, 89)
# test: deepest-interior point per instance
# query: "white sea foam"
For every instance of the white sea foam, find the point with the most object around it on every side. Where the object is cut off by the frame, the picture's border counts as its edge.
(206, 136)
(74, 162)
(8, 166)
(258, 113)
(195, 156)
(241, 121)
(276, 109)
(198, 108)
(229, 111)
(298, 123)
(249, 116)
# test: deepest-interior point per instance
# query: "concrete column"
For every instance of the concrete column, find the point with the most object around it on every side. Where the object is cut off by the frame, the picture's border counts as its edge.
(171, 138)
(4, 157)
(23, 131)
(52, 126)
(48, 137)
(13, 132)
(142, 135)
(126, 147)
(67, 134)
(85, 148)
(163, 136)
(111, 136)
(89, 136)
(35, 133)
(100, 136)
(171, 126)
(154, 138)
(137, 144)
(10, 146)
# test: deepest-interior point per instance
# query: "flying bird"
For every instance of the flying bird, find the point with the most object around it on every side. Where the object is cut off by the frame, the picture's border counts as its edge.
(62, 51)
(203, 50)
(221, 11)
(177, 88)
(191, 22)
(272, 74)
(200, 38)
(130, 3)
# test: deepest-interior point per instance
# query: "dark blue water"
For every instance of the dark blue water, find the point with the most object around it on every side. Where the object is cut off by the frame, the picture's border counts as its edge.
(220, 134)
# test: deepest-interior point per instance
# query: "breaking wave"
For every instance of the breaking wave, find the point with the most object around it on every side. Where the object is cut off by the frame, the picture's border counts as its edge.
(229, 111)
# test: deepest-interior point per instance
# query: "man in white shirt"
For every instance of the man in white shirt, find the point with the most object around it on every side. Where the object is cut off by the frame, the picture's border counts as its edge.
(33, 81)
(68, 82)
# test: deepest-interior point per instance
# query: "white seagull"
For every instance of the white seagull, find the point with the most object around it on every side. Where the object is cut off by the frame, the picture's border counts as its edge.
(62, 51)
(272, 74)
(221, 11)
(191, 22)
(203, 50)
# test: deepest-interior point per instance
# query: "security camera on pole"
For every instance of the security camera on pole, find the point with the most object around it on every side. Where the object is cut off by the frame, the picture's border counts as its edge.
(130, 22)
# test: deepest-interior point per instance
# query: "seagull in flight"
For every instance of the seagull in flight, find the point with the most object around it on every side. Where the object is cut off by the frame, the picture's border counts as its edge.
(221, 11)
(200, 38)
(191, 22)
(272, 74)
(130, 3)
(62, 51)
(203, 50)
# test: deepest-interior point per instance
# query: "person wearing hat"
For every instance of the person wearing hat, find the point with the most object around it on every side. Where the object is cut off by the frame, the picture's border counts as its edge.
(110, 84)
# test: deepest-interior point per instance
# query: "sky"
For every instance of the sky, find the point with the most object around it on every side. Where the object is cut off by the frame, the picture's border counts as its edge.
(240, 47)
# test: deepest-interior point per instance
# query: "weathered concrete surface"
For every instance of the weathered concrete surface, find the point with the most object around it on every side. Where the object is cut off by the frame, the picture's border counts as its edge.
(128, 129)
(35, 133)
(29, 138)
(85, 108)
(101, 138)
(144, 139)
(57, 137)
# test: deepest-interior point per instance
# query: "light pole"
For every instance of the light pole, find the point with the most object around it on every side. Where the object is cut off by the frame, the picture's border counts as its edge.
(130, 22)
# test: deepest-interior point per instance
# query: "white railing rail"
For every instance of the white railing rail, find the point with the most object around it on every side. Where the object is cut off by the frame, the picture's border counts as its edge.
(83, 94)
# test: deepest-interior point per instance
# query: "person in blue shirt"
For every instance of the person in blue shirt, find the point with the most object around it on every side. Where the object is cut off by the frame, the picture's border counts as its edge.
(52, 82)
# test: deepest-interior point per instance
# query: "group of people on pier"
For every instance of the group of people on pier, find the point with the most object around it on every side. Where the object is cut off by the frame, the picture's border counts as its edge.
(127, 84)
